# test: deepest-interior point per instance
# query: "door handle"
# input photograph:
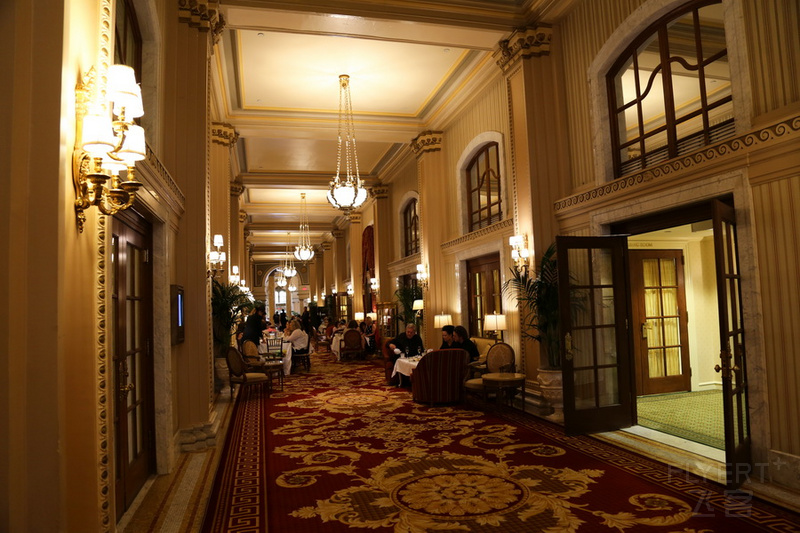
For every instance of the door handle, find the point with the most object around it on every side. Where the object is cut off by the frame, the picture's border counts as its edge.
(644, 330)
(127, 388)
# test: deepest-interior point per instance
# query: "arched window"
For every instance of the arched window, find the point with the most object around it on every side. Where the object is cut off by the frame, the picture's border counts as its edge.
(670, 91)
(410, 229)
(484, 203)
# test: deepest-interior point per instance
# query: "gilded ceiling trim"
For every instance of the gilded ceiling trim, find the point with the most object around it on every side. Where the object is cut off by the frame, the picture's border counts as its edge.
(724, 150)
(524, 43)
(427, 141)
(102, 379)
(478, 234)
(223, 133)
(203, 15)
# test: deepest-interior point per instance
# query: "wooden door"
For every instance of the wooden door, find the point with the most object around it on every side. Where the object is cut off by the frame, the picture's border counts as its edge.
(595, 340)
(483, 275)
(733, 361)
(660, 334)
(132, 356)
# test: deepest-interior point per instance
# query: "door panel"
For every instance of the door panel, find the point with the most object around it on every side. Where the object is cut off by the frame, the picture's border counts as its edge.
(595, 341)
(133, 367)
(483, 274)
(732, 365)
(660, 339)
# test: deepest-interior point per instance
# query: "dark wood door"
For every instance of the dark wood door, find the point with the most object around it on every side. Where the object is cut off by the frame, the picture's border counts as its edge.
(660, 334)
(132, 356)
(483, 275)
(732, 355)
(595, 340)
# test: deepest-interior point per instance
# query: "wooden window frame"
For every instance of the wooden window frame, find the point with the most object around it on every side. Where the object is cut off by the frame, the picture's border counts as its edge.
(480, 180)
(411, 228)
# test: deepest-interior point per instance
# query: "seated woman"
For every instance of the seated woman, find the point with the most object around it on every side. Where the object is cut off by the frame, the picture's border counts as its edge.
(461, 340)
(447, 337)
(297, 339)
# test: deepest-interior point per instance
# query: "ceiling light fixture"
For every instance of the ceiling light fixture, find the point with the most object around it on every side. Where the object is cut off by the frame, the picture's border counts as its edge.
(304, 251)
(346, 193)
(288, 265)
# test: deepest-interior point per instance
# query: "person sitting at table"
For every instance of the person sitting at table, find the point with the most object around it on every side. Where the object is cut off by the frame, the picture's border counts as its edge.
(408, 342)
(369, 334)
(461, 340)
(298, 339)
(336, 336)
(447, 337)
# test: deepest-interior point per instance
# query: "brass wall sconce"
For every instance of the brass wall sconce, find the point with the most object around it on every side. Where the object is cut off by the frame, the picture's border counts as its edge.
(373, 284)
(519, 251)
(216, 258)
(349, 289)
(107, 141)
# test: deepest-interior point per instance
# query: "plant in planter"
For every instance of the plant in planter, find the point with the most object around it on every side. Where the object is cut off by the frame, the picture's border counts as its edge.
(228, 306)
(405, 296)
(537, 300)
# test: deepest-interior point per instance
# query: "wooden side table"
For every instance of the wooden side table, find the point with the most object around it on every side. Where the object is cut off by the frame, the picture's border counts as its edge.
(506, 381)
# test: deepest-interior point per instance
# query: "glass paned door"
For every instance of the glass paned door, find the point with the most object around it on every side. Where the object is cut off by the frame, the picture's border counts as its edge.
(595, 354)
(732, 365)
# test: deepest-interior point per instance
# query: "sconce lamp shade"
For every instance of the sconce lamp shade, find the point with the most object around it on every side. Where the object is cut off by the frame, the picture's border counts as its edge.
(218, 242)
(440, 321)
(494, 322)
(97, 137)
(358, 317)
(418, 305)
(133, 148)
(124, 92)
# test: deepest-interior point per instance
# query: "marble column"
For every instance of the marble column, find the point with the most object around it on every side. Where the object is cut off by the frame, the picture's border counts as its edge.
(328, 283)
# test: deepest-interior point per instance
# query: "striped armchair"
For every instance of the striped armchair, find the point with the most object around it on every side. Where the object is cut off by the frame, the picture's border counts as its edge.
(439, 377)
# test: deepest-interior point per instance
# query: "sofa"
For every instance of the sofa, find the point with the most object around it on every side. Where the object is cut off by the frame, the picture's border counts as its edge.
(439, 377)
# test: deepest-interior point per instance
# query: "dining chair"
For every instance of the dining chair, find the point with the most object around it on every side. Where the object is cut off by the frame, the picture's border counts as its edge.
(500, 358)
(351, 343)
(238, 371)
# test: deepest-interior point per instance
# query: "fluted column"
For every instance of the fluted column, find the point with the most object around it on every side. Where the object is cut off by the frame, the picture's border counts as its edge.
(339, 260)
(431, 184)
(327, 268)
(356, 266)
(221, 216)
(237, 220)
(383, 241)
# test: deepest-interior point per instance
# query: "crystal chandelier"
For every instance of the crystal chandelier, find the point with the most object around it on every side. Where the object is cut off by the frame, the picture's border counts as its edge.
(304, 251)
(288, 264)
(346, 193)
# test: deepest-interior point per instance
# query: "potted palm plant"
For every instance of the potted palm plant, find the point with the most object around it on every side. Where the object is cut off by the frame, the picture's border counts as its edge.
(405, 296)
(228, 306)
(536, 294)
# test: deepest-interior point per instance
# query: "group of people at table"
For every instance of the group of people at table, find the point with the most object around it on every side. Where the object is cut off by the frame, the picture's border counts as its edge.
(296, 339)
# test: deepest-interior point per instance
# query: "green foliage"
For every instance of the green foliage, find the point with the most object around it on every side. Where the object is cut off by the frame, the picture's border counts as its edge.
(228, 306)
(537, 300)
(405, 296)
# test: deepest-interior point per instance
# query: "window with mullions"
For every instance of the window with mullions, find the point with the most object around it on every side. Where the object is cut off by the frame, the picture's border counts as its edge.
(484, 204)
(127, 38)
(670, 91)
(411, 228)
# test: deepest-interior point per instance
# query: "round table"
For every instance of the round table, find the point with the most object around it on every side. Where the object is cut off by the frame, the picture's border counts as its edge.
(506, 381)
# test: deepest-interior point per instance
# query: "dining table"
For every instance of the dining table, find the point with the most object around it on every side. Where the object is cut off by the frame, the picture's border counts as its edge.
(406, 365)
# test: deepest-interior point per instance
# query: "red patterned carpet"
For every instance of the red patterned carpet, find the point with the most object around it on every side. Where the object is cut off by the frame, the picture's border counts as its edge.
(340, 451)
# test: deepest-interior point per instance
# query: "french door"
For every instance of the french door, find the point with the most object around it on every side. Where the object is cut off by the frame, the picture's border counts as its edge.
(660, 337)
(131, 282)
(483, 282)
(594, 317)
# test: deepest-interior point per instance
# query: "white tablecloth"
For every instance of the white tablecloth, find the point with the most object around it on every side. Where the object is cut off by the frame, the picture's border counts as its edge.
(405, 366)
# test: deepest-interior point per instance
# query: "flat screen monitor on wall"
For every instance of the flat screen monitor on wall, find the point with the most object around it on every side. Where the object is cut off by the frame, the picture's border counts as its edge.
(177, 313)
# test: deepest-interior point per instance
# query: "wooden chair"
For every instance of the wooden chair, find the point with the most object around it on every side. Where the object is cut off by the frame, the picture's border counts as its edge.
(238, 371)
(352, 343)
(439, 377)
(500, 358)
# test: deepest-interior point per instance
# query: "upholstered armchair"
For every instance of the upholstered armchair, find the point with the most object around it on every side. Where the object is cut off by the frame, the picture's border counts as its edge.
(388, 364)
(239, 372)
(439, 377)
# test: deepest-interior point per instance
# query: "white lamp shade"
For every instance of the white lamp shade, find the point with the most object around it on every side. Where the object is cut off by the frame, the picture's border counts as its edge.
(218, 241)
(373, 316)
(344, 195)
(213, 256)
(494, 322)
(358, 316)
(124, 92)
(418, 305)
(133, 149)
(439, 321)
(235, 269)
(361, 197)
(112, 165)
(97, 137)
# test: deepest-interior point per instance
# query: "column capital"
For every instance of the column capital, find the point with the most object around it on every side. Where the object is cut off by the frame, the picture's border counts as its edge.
(380, 192)
(337, 233)
(427, 141)
(524, 43)
(223, 133)
(203, 15)
(236, 189)
(242, 215)
(326, 246)
(354, 218)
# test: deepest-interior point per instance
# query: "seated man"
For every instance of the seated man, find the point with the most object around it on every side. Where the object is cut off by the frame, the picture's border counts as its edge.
(408, 342)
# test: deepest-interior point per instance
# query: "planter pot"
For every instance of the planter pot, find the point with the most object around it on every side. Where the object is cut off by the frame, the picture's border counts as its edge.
(550, 382)
(221, 373)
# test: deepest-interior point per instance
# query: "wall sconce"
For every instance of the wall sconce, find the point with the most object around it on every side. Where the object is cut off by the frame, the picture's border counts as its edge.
(216, 258)
(418, 306)
(358, 317)
(495, 323)
(323, 295)
(234, 277)
(373, 284)
(107, 141)
(349, 289)
(422, 275)
(440, 321)
(519, 251)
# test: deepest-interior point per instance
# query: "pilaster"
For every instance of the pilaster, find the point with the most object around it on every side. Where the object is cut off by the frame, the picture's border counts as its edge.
(339, 262)
(383, 241)
(356, 266)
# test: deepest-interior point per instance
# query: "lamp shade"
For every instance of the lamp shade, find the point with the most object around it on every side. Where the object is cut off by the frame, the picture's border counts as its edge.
(494, 322)
(133, 149)
(373, 316)
(218, 242)
(97, 137)
(418, 305)
(440, 321)
(358, 317)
